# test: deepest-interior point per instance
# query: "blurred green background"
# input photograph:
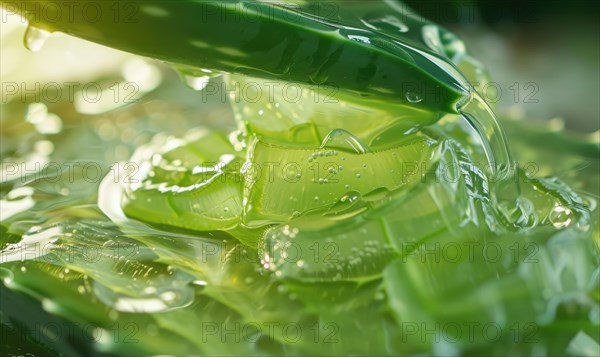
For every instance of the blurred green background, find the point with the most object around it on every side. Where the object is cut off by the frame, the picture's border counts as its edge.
(554, 45)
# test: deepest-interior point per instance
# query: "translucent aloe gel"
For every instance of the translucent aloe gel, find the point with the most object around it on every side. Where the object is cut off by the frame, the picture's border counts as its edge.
(333, 210)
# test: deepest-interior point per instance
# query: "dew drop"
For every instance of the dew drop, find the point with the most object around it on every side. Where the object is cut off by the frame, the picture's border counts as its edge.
(359, 38)
(319, 77)
(196, 78)
(196, 83)
(351, 196)
(345, 203)
(199, 282)
(35, 38)
(169, 296)
(146, 76)
(6, 276)
(561, 217)
(413, 97)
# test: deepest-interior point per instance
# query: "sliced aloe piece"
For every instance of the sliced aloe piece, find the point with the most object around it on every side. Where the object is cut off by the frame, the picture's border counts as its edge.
(355, 249)
(286, 182)
(356, 239)
(193, 183)
(358, 236)
(270, 40)
(292, 114)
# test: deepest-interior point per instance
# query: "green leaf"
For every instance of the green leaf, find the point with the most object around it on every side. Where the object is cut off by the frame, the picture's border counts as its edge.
(329, 44)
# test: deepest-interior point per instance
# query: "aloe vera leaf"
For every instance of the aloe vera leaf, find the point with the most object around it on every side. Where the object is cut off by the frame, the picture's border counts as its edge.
(265, 40)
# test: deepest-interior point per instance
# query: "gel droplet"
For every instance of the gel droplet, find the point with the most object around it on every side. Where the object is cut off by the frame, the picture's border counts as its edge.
(196, 78)
(35, 38)
(561, 217)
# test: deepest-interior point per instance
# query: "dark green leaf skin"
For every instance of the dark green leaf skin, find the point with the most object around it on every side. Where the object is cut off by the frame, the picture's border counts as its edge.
(258, 39)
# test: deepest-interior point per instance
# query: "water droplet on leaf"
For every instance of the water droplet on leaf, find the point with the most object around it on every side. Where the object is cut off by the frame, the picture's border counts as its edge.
(413, 97)
(35, 38)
